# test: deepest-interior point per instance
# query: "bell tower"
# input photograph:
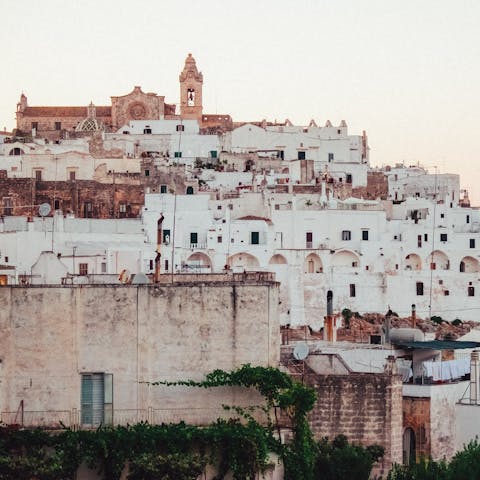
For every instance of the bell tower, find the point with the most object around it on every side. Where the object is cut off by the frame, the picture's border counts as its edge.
(191, 82)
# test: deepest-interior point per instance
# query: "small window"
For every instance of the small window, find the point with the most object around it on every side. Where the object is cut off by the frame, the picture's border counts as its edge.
(419, 241)
(147, 173)
(7, 206)
(213, 154)
(446, 293)
(163, 189)
(193, 237)
(419, 288)
(58, 125)
(468, 219)
(219, 207)
(147, 131)
(472, 243)
(38, 175)
(35, 125)
(166, 236)
(331, 156)
(443, 237)
(219, 239)
(103, 267)
(166, 265)
(364, 234)
(83, 269)
(301, 155)
(6, 259)
(349, 178)
(309, 239)
(442, 215)
(346, 235)
(72, 175)
(56, 205)
(178, 154)
(471, 291)
(189, 190)
(96, 399)
(255, 238)
(180, 128)
(425, 237)
(150, 264)
(122, 208)
(352, 290)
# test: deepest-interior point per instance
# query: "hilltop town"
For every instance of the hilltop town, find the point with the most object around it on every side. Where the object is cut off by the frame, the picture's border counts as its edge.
(145, 240)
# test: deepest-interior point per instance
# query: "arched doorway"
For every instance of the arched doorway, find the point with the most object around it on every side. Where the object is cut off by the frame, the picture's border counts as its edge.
(243, 262)
(199, 263)
(469, 265)
(189, 190)
(313, 264)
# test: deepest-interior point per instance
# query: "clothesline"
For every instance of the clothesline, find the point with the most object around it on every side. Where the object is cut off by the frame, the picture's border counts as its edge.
(446, 370)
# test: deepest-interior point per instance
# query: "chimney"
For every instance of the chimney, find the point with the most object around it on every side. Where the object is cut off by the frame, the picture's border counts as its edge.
(474, 374)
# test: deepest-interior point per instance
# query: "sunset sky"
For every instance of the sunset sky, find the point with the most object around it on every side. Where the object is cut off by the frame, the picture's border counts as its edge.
(407, 72)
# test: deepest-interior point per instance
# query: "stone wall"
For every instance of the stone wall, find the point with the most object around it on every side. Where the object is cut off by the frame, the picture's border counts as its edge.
(367, 408)
(51, 335)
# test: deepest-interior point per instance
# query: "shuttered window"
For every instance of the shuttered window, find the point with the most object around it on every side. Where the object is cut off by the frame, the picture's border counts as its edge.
(97, 399)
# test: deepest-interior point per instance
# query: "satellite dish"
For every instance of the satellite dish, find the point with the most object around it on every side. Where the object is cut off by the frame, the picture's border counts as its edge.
(44, 209)
(301, 351)
(140, 279)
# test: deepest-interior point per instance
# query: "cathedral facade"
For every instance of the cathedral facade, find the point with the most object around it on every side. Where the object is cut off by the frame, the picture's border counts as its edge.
(55, 123)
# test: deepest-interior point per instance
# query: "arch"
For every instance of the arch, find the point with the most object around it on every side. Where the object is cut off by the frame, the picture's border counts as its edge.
(278, 259)
(345, 258)
(199, 262)
(243, 261)
(469, 265)
(189, 190)
(438, 260)
(313, 264)
(409, 447)
(413, 262)
(16, 151)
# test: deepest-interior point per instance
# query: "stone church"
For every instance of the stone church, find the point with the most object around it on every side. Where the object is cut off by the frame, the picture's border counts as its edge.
(55, 123)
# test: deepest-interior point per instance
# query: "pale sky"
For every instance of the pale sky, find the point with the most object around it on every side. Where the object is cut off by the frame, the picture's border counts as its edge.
(407, 72)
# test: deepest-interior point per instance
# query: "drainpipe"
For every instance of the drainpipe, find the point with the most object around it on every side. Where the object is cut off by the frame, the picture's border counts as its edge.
(414, 316)
(474, 377)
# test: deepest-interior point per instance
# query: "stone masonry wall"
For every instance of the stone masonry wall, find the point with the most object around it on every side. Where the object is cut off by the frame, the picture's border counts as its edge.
(367, 408)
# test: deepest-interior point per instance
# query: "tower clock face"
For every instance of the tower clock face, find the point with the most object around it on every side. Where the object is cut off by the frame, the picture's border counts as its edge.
(137, 111)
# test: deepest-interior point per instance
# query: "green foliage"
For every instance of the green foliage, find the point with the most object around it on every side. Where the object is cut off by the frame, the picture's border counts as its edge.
(465, 465)
(424, 470)
(340, 460)
(437, 319)
(347, 315)
(150, 466)
(456, 322)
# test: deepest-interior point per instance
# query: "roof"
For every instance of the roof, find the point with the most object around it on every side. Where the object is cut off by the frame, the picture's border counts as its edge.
(253, 217)
(439, 345)
(65, 111)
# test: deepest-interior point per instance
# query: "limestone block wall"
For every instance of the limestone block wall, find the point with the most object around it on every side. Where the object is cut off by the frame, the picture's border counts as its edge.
(367, 408)
(51, 335)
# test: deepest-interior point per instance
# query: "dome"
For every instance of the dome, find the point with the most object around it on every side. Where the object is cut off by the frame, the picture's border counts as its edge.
(89, 125)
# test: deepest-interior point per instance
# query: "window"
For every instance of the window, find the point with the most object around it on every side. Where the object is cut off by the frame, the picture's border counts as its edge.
(56, 205)
(150, 264)
(346, 235)
(180, 128)
(96, 399)
(7, 206)
(38, 175)
(364, 234)
(349, 178)
(103, 267)
(189, 190)
(425, 237)
(122, 208)
(35, 125)
(163, 189)
(301, 155)
(352, 290)
(166, 265)
(83, 269)
(442, 215)
(443, 237)
(193, 238)
(419, 288)
(471, 291)
(147, 173)
(166, 236)
(472, 243)
(419, 241)
(331, 156)
(219, 239)
(58, 125)
(6, 259)
(468, 219)
(147, 131)
(446, 293)
(213, 154)
(255, 238)
(281, 154)
(178, 154)
(309, 239)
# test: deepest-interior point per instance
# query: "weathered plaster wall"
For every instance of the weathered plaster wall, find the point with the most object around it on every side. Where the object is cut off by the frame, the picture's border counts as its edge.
(50, 335)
